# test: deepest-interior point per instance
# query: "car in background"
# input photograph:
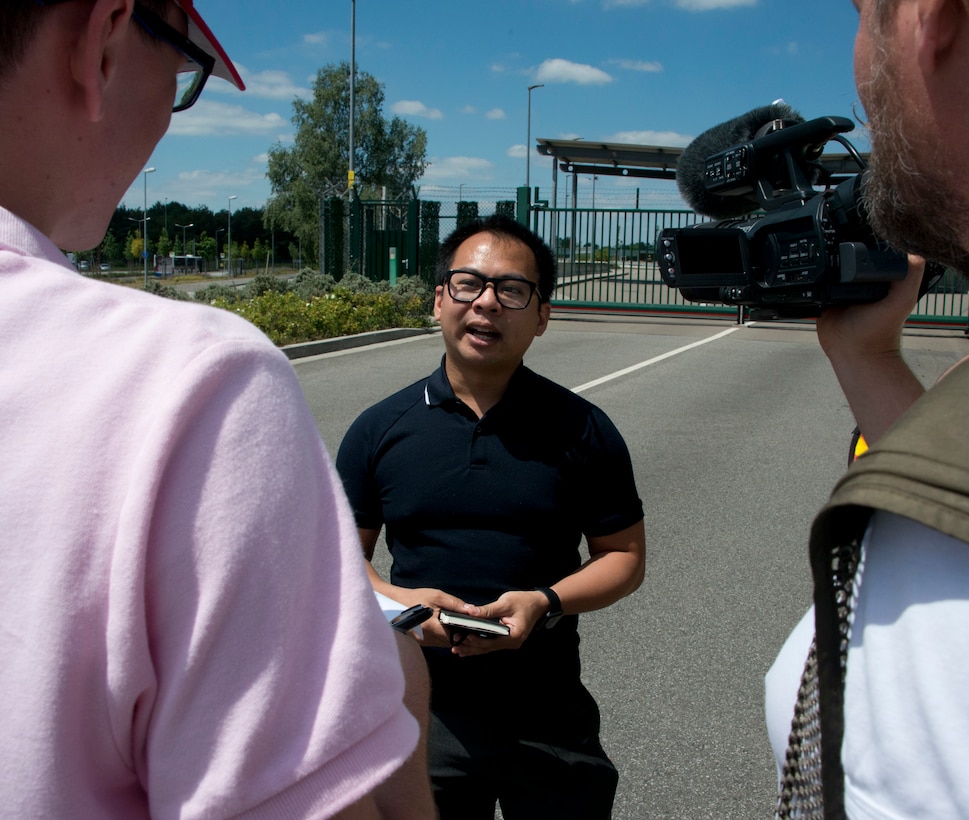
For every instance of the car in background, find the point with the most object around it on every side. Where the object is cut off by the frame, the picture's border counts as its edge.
(105, 266)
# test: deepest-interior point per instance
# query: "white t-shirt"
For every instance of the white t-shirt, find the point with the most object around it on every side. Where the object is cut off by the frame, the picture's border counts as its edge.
(906, 743)
(186, 626)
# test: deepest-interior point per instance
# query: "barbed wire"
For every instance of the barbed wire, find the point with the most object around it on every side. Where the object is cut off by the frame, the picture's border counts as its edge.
(649, 196)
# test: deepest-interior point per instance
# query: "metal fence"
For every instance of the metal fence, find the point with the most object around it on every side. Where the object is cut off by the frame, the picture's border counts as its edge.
(605, 256)
(606, 261)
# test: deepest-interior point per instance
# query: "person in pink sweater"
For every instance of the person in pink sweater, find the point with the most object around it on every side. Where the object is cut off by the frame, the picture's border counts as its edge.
(186, 625)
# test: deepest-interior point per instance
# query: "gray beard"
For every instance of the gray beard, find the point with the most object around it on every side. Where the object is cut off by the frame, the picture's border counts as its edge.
(913, 201)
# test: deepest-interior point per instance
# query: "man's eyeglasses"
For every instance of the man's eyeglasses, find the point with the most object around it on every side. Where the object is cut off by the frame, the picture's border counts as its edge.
(198, 63)
(511, 292)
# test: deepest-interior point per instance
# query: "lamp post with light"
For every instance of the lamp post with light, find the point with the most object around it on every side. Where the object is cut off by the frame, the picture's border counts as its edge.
(228, 241)
(184, 240)
(144, 250)
(528, 141)
(218, 264)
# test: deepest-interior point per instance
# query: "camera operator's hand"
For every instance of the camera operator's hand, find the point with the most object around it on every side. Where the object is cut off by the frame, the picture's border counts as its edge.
(864, 345)
(873, 329)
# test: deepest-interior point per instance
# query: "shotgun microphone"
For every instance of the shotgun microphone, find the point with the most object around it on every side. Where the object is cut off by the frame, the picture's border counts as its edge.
(694, 175)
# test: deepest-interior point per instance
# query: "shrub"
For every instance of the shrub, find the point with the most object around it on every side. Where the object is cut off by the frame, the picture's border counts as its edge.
(156, 287)
(286, 318)
(309, 283)
(315, 306)
(263, 283)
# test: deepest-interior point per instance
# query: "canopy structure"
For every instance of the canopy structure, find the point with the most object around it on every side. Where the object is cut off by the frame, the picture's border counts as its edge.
(578, 157)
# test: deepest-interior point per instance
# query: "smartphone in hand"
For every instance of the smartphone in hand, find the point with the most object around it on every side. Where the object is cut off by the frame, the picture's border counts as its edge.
(412, 617)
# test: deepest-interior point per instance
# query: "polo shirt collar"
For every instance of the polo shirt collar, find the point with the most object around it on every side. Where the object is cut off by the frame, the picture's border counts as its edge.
(438, 390)
(20, 237)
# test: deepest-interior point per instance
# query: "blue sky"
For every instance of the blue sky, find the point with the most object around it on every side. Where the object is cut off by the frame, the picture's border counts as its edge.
(654, 72)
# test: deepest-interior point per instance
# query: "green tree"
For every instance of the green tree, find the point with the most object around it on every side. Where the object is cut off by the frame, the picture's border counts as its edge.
(163, 247)
(131, 252)
(110, 249)
(136, 246)
(259, 254)
(389, 153)
(205, 247)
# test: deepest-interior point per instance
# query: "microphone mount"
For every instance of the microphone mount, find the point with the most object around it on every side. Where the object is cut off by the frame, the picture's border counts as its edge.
(776, 168)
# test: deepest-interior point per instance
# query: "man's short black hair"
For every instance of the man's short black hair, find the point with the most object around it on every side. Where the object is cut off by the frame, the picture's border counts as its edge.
(501, 226)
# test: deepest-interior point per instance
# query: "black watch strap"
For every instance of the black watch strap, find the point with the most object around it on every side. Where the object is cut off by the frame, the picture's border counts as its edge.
(554, 614)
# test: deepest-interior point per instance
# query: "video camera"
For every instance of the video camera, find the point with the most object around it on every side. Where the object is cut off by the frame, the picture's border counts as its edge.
(805, 250)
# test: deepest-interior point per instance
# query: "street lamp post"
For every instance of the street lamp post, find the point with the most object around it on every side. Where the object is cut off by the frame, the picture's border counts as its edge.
(351, 171)
(528, 142)
(218, 265)
(144, 250)
(228, 241)
(184, 228)
(142, 228)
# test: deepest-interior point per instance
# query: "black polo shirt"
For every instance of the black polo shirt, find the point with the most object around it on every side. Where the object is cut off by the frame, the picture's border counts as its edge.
(476, 507)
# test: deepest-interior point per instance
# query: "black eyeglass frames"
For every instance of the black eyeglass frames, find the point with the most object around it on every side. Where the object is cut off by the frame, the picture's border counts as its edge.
(198, 65)
(512, 292)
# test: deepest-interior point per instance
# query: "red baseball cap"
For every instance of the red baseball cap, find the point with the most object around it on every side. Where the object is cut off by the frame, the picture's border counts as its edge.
(200, 34)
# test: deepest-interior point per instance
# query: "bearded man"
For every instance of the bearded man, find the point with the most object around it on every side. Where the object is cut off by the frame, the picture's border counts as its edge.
(881, 724)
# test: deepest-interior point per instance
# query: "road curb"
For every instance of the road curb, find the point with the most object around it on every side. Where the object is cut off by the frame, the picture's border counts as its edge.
(299, 351)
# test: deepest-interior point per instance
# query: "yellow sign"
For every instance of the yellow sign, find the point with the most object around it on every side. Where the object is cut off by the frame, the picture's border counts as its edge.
(350, 176)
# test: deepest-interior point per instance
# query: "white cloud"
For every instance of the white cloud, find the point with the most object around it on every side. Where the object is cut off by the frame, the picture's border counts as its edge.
(667, 138)
(639, 65)
(495, 114)
(205, 186)
(317, 38)
(557, 70)
(274, 85)
(414, 108)
(516, 151)
(461, 169)
(686, 5)
(711, 5)
(211, 118)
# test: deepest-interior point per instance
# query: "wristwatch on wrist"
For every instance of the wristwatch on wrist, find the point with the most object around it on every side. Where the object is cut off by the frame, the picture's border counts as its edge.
(554, 614)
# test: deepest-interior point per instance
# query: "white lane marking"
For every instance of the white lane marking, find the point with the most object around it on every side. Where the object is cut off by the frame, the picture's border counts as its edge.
(632, 368)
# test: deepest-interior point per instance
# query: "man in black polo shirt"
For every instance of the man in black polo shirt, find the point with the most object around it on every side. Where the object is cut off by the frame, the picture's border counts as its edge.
(486, 476)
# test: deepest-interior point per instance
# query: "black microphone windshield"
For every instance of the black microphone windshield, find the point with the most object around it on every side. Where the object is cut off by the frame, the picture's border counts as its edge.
(691, 167)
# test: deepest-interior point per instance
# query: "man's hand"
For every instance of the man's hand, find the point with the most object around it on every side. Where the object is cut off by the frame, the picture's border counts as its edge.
(520, 610)
(433, 631)
(864, 345)
(873, 329)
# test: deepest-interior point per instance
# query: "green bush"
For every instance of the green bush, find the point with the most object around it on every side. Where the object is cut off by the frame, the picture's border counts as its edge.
(315, 306)
(309, 283)
(286, 318)
(169, 292)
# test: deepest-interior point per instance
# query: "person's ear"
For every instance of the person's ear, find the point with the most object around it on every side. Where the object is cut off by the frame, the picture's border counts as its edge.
(96, 52)
(939, 26)
(544, 314)
(438, 302)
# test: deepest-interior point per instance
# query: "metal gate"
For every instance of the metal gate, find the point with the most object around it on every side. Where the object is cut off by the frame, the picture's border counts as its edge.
(606, 257)
(606, 261)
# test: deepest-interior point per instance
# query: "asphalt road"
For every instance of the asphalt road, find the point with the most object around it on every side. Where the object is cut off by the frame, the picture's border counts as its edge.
(736, 442)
